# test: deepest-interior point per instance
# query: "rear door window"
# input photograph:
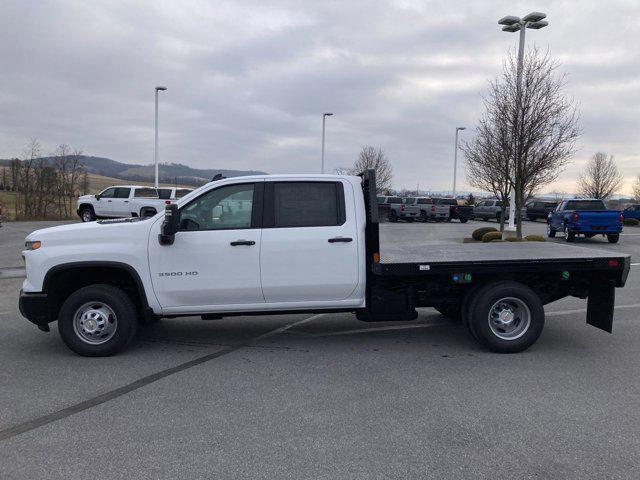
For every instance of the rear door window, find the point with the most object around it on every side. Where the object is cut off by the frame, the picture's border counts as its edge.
(145, 193)
(305, 204)
(181, 192)
(122, 192)
(164, 193)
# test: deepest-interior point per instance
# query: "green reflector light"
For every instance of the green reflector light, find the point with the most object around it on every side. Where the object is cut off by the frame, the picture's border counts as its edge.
(566, 275)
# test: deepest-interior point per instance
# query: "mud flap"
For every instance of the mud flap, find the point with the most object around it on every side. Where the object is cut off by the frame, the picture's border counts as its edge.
(600, 307)
(387, 305)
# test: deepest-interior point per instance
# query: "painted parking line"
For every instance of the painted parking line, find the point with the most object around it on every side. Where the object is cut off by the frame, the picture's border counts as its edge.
(13, 272)
(38, 422)
(584, 310)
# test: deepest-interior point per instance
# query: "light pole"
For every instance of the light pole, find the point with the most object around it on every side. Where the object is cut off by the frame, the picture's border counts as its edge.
(455, 160)
(324, 117)
(156, 148)
(512, 24)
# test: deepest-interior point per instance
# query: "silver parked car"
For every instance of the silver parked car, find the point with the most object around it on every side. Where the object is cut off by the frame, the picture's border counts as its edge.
(492, 209)
(428, 209)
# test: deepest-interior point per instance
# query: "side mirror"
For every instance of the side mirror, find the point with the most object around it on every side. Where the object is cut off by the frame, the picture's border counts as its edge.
(170, 225)
(97, 196)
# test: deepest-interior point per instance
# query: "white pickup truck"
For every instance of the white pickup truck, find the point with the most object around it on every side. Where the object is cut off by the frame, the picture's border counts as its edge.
(295, 243)
(123, 201)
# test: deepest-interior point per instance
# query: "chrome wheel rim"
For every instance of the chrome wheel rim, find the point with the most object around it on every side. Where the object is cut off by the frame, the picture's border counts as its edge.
(86, 216)
(509, 318)
(95, 323)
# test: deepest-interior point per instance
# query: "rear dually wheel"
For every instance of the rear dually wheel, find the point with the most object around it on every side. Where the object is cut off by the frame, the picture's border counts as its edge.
(506, 317)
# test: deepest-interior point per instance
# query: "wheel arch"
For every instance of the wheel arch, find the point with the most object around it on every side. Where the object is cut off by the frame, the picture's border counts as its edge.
(73, 276)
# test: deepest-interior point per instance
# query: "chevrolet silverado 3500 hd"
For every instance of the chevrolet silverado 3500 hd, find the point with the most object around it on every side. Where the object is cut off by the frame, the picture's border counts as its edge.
(292, 243)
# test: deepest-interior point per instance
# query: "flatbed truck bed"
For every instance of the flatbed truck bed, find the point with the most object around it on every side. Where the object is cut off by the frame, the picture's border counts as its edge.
(490, 287)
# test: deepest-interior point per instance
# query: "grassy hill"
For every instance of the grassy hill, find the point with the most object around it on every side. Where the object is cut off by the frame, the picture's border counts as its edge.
(137, 173)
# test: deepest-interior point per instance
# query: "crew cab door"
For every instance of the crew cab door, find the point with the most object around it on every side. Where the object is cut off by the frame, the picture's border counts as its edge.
(215, 258)
(102, 207)
(309, 251)
(119, 205)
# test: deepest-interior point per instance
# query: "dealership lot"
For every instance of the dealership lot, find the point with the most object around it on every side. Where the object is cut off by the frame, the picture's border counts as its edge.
(325, 396)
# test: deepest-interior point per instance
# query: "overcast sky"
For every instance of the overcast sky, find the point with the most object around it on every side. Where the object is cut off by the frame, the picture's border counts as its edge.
(248, 80)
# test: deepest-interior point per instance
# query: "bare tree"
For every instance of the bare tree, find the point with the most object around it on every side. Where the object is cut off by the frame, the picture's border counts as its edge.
(24, 198)
(530, 130)
(375, 158)
(636, 189)
(488, 165)
(600, 178)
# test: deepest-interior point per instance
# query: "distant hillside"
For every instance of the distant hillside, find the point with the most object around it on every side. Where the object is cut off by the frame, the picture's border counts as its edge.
(169, 172)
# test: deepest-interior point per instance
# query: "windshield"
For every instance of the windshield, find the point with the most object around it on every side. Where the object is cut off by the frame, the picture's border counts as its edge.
(585, 205)
(394, 200)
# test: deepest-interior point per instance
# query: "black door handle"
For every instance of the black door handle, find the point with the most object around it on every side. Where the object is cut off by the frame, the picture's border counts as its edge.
(242, 242)
(340, 239)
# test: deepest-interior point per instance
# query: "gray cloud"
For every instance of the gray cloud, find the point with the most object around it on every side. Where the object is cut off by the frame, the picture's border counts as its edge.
(248, 80)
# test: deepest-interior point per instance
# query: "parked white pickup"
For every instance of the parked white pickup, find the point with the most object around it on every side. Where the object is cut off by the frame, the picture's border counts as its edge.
(123, 201)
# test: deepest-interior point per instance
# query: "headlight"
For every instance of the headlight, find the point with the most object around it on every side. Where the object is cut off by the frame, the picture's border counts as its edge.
(32, 245)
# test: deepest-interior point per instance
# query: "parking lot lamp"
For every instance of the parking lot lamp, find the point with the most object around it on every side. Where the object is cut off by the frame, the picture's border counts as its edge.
(455, 160)
(156, 144)
(324, 117)
(512, 24)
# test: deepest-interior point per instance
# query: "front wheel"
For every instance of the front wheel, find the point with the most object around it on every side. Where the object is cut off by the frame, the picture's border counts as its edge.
(464, 219)
(393, 216)
(97, 321)
(506, 317)
(87, 215)
(498, 217)
(551, 232)
(613, 237)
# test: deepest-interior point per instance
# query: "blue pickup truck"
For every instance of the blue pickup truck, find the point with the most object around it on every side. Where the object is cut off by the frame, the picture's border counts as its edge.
(585, 217)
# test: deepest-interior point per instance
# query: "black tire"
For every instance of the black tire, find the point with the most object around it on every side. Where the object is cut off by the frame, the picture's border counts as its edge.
(125, 318)
(464, 219)
(423, 216)
(87, 214)
(498, 217)
(613, 237)
(465, 309)
(490, 296)
(569, 236)
(551, 232)
(450, 312)
(393, 216)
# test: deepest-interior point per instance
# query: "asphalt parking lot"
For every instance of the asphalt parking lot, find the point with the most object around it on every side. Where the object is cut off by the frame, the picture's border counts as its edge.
(325, 396)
